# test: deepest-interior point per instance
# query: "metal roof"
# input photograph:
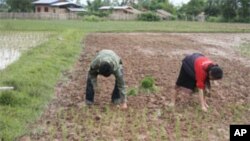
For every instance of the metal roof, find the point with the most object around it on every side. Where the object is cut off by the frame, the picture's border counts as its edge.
(113, 7)
(65, 3)
(44, 1)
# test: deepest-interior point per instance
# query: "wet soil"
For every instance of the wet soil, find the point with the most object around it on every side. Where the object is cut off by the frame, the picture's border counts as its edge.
(158, 55)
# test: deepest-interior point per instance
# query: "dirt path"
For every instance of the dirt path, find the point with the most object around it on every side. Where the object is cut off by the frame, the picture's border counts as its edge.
(158, 55)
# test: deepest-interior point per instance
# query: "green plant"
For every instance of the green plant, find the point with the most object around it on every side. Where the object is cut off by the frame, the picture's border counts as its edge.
(93, 18)
(148, 84)
(149, 16)
(8, 98)
(132, 92)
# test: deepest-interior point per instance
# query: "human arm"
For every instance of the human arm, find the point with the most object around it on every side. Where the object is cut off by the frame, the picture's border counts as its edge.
(121, 86)
(202, 98)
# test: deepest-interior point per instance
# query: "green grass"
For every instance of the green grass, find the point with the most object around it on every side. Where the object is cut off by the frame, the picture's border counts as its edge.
(122, 26)
(35, 74)
(34, 77)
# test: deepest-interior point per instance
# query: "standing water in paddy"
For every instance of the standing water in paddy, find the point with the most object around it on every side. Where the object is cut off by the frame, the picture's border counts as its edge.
(12, 44)
(8, 56)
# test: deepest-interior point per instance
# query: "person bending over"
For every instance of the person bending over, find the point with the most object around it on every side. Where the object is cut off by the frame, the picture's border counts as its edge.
(105, 63)
(195, 74)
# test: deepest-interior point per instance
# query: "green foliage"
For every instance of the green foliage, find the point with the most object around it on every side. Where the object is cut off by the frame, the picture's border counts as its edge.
(149, 16)
(148, 84)
(95, 13)
(34, 77)
(154, 5)
(229, 9)
(20, 5)
(94, 5)
(214, 19)
(244, 9)
(132, 92)
(212, 8)
(36, 73)
(8, 98)
(93, 18)
(193, 7)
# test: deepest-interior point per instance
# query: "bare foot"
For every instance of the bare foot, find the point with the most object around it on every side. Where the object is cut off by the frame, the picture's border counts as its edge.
(123, 106)
(204, 109)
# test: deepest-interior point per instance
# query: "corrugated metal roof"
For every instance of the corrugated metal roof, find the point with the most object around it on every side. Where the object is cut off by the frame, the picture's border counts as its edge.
(65, 3)
(113, 7)
(44, 1)
(48, 1)
(61, 3)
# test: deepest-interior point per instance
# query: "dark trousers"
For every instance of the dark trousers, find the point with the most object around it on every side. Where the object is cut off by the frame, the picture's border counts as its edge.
(90, 93)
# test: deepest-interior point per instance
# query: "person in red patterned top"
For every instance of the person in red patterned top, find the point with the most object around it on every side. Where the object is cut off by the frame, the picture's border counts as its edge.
(196, 72)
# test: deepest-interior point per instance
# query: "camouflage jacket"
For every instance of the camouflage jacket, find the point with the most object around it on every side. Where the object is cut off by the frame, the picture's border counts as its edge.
(112, 58)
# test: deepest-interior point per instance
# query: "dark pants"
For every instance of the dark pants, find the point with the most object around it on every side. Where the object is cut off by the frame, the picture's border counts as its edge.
(90, 93)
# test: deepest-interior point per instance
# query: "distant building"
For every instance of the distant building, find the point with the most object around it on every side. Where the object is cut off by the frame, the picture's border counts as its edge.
(164, 15)
(57, 6)
(201, 17)
(121, 12)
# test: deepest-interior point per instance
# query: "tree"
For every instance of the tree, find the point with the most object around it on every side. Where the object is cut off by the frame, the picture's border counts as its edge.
(3, 6)
(20, 5)
(95, 5)
(153, 5)
(195, 7)
(229, 9)
(244, 8)
(212, 8)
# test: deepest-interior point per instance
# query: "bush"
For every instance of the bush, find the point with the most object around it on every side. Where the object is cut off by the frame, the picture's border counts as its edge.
(149, 16)
(8, 98)
(92, 18)
(214, 19)
(95, 13)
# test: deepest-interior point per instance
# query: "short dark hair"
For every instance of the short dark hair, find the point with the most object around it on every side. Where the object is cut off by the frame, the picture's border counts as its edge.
(216, 72)
(105, 69)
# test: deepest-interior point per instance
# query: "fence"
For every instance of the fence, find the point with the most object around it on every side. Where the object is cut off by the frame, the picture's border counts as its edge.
(43, 16)
(123, 16)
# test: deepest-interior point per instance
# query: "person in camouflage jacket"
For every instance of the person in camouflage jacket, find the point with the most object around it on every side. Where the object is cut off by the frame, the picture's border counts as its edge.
(105, 63)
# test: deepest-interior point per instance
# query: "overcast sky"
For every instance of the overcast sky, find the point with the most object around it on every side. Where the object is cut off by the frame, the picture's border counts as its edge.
(175, 2)
(179, 2)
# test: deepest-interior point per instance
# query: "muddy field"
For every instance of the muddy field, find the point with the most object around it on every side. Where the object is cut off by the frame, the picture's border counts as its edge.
(149, 118)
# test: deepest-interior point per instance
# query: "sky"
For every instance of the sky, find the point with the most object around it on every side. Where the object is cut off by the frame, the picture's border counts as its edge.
(175, 2)
(179, 2)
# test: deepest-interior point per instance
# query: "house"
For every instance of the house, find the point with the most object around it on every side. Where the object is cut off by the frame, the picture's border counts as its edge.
(121, 12)
(57, 6)
(201, 17)
(164, 15)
